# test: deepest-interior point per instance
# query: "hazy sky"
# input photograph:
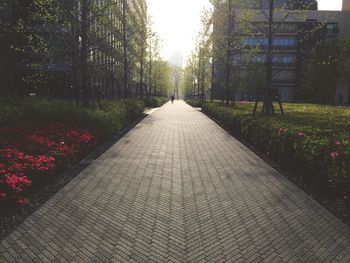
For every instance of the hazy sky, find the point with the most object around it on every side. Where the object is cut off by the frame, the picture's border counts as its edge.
(178, 21)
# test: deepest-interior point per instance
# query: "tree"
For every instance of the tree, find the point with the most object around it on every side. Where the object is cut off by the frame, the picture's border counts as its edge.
(161, 75)
(236, 20)
(189, 83)
(153, 57)
(176, 75)
(251, 78)
(95, 43)
(199, 65)
(326, 66)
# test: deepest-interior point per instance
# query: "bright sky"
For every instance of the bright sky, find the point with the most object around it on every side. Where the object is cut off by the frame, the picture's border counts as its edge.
(178, 22)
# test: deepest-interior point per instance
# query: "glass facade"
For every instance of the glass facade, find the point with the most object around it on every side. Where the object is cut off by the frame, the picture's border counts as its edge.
(284, 60)
(5, 11)
(285, 43)
(283, 4)
(280, 43)
(332, 28)
(284, 77)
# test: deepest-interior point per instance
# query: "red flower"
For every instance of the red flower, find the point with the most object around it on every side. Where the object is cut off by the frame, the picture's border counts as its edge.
(25, 151)
(334, 155)
(17, 183)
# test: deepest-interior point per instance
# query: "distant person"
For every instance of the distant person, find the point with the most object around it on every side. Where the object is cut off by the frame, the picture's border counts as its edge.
(172, 99)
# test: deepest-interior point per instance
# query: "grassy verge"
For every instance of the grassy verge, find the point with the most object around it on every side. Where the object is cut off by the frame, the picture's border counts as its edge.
(312, 140)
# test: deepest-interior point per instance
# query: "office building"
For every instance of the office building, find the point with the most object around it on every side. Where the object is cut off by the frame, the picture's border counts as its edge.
(106, 49)
(297, 27)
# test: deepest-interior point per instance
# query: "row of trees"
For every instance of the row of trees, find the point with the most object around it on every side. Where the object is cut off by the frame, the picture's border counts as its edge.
(197, 78)
(235, 21)
(100, 49)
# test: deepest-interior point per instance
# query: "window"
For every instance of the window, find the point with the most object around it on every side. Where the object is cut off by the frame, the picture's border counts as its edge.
(286, 28)
(284, 43)
(255, 42)
(284, 60)
(287, 43)
(332, 28)
(284, 76)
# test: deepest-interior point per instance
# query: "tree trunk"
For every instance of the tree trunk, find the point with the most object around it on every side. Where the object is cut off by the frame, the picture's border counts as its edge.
(84, 54)
(267, 106)
(229, 72)
(150, 70)
(125, 52)
(75, 62)
(142, 71)
(199, 76)
(212, 77)
(348, 102)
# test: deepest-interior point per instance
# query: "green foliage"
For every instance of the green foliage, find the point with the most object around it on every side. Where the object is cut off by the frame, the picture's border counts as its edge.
(134, 109)
(325, 67)
(161, 77)
(250, 79)
(312, 139)
(113, 116)
(195, 103)
(154, 102)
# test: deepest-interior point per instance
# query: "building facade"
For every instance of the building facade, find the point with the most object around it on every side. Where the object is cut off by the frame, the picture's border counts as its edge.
(6, 17)
(297, 27)
(105, 47)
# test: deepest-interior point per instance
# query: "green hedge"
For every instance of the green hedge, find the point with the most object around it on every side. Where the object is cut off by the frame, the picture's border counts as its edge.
(195, 103)
(112, 117)
(154, 102)
(312, 139)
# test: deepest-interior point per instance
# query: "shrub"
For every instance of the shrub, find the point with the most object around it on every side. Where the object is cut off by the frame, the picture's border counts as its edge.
(30, 153)
(112, 117)
(195, 103)
(134, 109)
(40, 137)
(154, 102)
(312, 139)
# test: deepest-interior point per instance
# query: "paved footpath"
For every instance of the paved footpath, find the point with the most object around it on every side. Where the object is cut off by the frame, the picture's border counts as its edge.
(178, 188)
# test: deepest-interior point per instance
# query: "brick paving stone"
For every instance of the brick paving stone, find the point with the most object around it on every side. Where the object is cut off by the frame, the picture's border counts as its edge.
(178, 188)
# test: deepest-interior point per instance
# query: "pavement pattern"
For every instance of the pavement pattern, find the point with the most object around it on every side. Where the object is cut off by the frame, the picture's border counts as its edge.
(178, 188)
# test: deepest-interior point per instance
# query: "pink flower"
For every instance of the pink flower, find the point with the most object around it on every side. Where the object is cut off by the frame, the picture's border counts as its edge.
(345, 197)
(22, 201)
(2, 195)
(334, 155)
(301, 134)
(338, 143)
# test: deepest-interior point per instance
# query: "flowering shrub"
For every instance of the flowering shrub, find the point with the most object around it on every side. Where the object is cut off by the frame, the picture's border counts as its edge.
(40, 137)
(313, 140)
(31, 153)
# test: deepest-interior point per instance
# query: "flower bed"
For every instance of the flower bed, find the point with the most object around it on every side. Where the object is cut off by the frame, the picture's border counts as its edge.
(30, 154)
(312, 140)
(40, 138)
